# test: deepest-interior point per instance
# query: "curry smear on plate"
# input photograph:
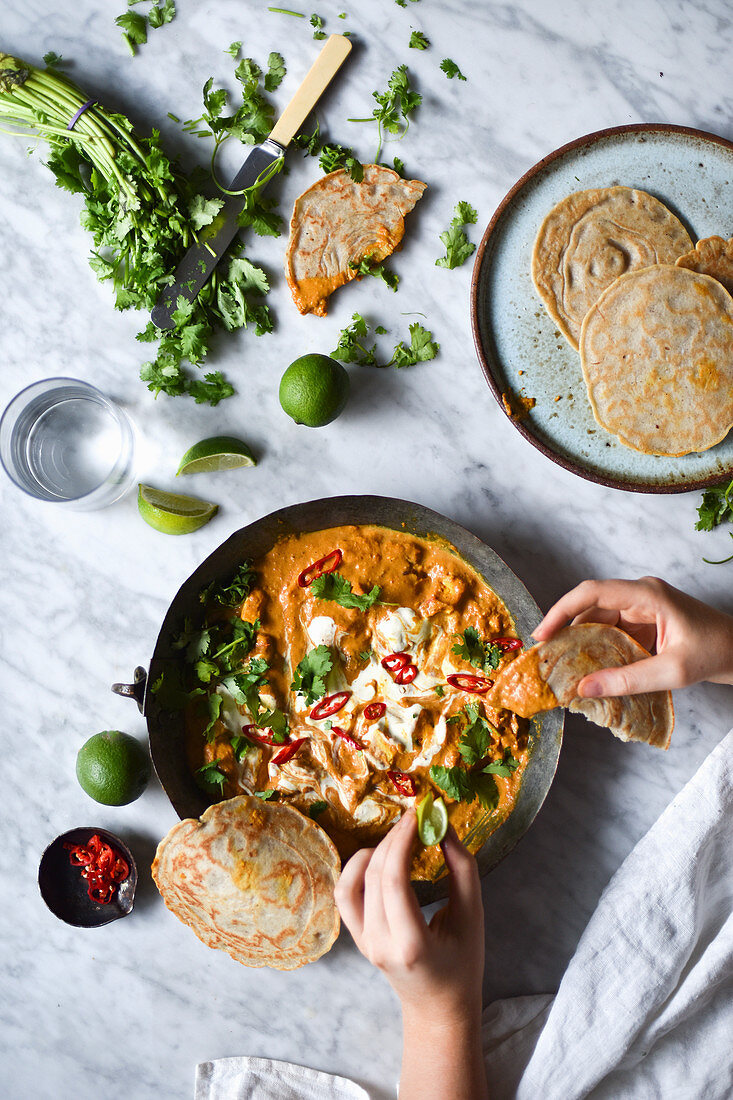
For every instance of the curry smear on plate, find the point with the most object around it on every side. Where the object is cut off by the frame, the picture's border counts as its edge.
(353, 713)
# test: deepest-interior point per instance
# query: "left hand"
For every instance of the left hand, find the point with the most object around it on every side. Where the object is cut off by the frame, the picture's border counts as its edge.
(436, 969)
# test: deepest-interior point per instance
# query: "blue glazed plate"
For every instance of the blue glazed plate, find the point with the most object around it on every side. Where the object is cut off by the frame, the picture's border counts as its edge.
(522, 353)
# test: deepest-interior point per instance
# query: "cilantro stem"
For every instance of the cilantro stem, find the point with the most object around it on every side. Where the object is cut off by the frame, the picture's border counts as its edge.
(287, 11)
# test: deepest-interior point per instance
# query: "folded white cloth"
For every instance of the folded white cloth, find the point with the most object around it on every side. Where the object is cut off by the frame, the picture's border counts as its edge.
(645, 1008)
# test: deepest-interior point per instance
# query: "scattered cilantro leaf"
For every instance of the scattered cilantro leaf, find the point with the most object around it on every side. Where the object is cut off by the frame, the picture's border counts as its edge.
(439, 690)
(316, 22)
(316, 809)
(716, 507)
(275, 72)
(240, 745)
(485, 790)
(309, 678)
(365, 655)
(286, 11)
(456, 782)
(333, 586)
(53, 59)
(418, 41)
(162, 13)
(379, 271)
(332, 157)
(399, 166)
(310, 143)
(202, 211)
(213, 705)
(505, 767)
(233, 50)
(394, 107)
(422, 348)
(457, 245)
(350, 347)
(451, 69)
(265, 795)
(472, 648)
(134, 29)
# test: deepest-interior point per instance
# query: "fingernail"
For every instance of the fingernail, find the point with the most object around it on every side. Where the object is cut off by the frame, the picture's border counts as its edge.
(591, 689)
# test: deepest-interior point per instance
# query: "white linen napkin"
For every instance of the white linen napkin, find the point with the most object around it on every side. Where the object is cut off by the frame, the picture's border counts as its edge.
(645, 1008)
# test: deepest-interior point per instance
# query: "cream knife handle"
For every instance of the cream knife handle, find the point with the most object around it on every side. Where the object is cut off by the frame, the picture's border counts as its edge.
(321, 73)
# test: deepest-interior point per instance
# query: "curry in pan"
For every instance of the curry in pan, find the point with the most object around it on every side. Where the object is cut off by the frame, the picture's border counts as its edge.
(345, 673)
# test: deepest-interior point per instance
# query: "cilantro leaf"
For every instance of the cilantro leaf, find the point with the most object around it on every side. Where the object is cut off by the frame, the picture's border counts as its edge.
(233, 49)
(316, 809)
(52, 59)
(310, 143)
(202, 211)
(245, 686)
(504, 767)
(240, 745)
(213, 703)
(134, 29)
(394, 106)
(211, 777)
(332, 157)
(481, 654)
(422, 348)
(162, 13)
(377, 270)
(317, 23)
(457, 248)
(464, 214)
(309, 678)
(195, 642)
(275, 72)
(233, 592)
(170, 690)
(716, 507)
(332, 586)
(265, 795)
(485, 790)
(476, 737)
(418, 41)
(456, 782)
(350, 348)
(451, 69)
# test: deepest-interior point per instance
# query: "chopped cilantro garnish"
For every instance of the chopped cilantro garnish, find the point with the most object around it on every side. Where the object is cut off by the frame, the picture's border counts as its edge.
(464, 786)
(275, 72)
(377, 270)
(233, 592)
(317, 23)
(394, 106)
(211, 776)
(332, 586)
(233, 50)
(351, 347)
(505, 767)
(439, 690)
(317, 808)
(309, 678)
(481, 654)
(265, 795)
(422, 348)
(332, 157)
(716, 507)
(476, 736)
(52, 59)
(451, 69)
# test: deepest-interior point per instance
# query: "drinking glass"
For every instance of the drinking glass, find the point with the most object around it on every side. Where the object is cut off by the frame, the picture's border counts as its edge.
(62, 440)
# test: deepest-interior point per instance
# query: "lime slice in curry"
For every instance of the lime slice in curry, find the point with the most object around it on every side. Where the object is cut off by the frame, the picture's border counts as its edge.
(219, 452)
(432, 820)
(173, 513)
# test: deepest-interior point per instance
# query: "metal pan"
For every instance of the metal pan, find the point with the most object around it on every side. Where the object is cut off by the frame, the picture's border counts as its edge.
(166, 730)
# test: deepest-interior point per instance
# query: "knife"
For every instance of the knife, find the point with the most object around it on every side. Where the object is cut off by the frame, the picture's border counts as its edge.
(201, 259)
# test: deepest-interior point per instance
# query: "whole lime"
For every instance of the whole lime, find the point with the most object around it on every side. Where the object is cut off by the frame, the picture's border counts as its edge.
(113, 768)
(314, 390)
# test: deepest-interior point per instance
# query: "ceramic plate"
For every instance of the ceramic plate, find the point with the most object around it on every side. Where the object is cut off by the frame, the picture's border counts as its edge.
(521, 351)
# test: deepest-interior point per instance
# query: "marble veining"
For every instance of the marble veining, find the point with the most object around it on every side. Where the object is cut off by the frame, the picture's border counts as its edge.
(83, 595)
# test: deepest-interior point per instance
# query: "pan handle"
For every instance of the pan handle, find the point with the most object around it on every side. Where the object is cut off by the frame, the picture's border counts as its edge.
(136, 690)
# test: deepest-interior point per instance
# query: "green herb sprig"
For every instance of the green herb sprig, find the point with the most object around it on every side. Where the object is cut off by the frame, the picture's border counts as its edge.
(457, 245)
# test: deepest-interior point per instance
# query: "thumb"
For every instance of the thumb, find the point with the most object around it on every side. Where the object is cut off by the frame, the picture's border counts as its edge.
(660, 673)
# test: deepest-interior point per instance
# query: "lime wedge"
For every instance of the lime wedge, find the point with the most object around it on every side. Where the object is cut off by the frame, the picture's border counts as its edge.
(432, 820)
(172, 513)
(220, 452)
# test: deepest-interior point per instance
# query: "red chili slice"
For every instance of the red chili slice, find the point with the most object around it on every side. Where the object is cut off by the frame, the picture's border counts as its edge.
(329, 705)
(476, 685)
(346, 737)
(374, 711)
(393, 662)
(405, 784)
(508, 643)
(405, 675)
(101, 894)
(316, 569)
(79, 856)
(120, 870)
(253, 733)
(102, 867)
(289, 751)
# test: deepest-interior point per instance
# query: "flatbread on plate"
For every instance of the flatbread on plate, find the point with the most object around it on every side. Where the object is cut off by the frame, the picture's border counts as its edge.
(657, 357)
(711, 256)
(592, 237)
(548, 674)
(338, 222)
(254, 879)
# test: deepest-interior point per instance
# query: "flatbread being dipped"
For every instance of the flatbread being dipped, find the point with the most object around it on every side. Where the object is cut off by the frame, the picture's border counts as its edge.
(548, 674)
(592, 237)
(254, 879)
(657, 356)
(337, 223)
(711, 256)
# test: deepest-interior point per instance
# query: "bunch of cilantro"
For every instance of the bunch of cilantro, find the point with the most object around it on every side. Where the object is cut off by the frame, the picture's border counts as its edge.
(144, 212)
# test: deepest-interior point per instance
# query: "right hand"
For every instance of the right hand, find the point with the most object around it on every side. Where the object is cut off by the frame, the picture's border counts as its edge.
(689, 640)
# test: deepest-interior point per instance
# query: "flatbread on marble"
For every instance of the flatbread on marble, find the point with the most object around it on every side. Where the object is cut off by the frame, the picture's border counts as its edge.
(338, 222)
(254, 879)
(548, 674)
(711, 256)
(592, 237)
(657, 356)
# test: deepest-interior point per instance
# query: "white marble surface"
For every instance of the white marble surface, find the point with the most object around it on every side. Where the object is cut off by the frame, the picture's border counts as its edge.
(135, 1005)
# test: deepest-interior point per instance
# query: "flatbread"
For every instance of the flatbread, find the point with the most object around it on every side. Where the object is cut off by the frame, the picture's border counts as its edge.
(591, 238)
(337, 222)
(711, 256)
(657, 357)
(548, 674)
(254, 879)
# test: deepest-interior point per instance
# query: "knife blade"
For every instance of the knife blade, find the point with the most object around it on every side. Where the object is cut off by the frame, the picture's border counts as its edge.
(214, 239)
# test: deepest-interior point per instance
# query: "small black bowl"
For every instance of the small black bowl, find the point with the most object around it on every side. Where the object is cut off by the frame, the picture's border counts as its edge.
(64, 890)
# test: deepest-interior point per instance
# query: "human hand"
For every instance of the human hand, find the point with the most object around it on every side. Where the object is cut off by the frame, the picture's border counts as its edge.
(689, 640)
(436, 969)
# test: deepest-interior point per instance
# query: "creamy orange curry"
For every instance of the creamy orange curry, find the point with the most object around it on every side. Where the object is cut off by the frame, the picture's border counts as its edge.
(369, 653)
